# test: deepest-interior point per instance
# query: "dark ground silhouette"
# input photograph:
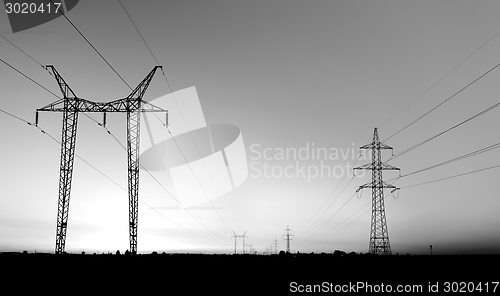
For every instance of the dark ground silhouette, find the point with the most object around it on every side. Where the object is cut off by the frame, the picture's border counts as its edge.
(251, 273)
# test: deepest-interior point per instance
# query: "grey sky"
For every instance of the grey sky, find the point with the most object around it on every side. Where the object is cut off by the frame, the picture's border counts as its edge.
(288, 74)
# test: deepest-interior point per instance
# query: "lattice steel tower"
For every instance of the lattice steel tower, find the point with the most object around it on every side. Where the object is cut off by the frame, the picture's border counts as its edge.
(70, 105)
(379, 235)
(287, 236)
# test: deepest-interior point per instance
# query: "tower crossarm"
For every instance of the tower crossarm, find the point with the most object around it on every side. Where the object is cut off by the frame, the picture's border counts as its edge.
(372, 185)
(380, 166)
(83, 105)
(72, 103)
(375, 145)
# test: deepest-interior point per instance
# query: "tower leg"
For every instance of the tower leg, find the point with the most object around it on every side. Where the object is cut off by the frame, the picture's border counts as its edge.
(68, 142)
(133, 129)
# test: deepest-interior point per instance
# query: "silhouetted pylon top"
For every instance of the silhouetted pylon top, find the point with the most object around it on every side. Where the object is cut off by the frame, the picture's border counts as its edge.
(375, 144)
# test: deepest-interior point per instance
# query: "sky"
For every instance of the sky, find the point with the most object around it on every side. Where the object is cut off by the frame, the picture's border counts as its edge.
(290, 75)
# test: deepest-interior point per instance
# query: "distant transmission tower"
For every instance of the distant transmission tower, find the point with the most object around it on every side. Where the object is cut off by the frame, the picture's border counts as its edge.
(249, 248)
(287, 236)
(243, 236)
(235, 236)
(70, 105)
(379, 235)
(276, 244)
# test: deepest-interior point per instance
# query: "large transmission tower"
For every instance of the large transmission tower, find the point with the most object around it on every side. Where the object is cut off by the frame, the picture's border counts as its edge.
(379, 235)
(70, 105)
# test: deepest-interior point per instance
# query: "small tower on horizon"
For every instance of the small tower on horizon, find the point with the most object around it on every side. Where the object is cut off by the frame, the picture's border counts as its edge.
(287, 236)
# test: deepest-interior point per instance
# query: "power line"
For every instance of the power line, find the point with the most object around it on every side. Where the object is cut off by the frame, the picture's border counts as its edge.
(463, 61)
(154, 57)
(476, 152)
(479, 151)
(324, 223)
(43, 87)
(93, 47)
(451, 177)
(409, 186)
(159, 183)
(109, 132)
(359, 156)
(130, 18)
(24, 52)
(199, 183)
(55, 95)
(123, 146)
(203, 189)
(191, 169)
(346, 220)
(150, 51)
(99, 171)
(156, 180)
(445, 131)
(26, 76)
(57, 141)
(104, 59)
(449, 98)
(16, 117)
(85, 114)
(331, 217)
(326, 200)
(367, 210)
